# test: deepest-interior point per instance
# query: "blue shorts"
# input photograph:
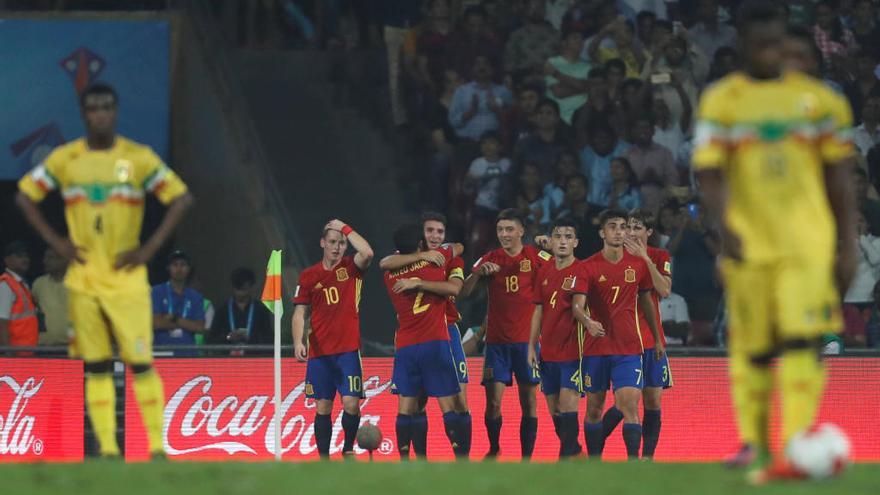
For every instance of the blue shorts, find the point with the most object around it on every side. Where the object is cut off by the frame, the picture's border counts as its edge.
(658, 374)
(600, 372)
(503, 361)
(425, 369)
(341, 373)
(458, 353)
(557, 375)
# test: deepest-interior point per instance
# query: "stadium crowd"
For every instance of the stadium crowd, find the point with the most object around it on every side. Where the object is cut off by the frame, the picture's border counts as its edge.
(558, 108)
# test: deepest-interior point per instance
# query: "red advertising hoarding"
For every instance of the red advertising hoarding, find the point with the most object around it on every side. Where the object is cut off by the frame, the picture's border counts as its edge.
(41, 410)
(219, 409)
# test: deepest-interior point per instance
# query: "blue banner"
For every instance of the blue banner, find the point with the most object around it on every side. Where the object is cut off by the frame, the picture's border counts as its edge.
(47, 63)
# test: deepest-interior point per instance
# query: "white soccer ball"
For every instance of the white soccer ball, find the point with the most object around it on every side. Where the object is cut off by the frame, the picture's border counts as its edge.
(819, 452)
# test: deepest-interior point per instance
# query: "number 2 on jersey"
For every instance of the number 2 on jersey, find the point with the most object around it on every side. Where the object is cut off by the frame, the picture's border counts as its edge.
(418, 307)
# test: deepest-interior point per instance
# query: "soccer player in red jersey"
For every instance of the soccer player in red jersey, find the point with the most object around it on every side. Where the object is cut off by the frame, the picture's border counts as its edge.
(332, 289)
(657, 375)
(510, 271)
(558, 319)
(434, 225)
(423, 363)
(618, 285)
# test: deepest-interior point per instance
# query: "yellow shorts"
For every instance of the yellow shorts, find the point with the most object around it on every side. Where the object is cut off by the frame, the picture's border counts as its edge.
(126, 318)
(772, 303)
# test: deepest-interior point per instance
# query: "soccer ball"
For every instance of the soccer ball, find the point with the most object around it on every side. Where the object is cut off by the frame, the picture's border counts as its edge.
(820, 452)
(369, 436)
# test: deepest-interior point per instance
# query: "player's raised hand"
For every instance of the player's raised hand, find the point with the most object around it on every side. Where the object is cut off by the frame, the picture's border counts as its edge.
(635, 247)
(434, 257)
(300, 352)
(406, 284)
(67, 250)
(130, 260)
(595, 328)
(335, 224)
(659, 350)
(488, 268)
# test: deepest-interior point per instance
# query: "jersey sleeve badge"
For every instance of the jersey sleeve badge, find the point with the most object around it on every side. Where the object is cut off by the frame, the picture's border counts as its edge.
(544, 255)
(667, 267)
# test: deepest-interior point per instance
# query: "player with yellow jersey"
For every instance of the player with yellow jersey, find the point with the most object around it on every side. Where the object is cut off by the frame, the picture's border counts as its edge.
(103, 179)
(773, 157)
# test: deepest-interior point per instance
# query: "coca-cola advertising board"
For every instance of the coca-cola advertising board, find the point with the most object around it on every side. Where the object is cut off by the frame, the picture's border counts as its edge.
(221, 409)
(41, 410)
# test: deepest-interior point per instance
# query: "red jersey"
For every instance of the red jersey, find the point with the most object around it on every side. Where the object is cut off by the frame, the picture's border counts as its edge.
(421, 316)
(613, 293)
(334, 296)
(660, 258)
(510, 293)
(454, 270)
(561, 335)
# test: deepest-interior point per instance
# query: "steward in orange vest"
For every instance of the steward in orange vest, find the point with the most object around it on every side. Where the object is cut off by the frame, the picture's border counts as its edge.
(18, 313)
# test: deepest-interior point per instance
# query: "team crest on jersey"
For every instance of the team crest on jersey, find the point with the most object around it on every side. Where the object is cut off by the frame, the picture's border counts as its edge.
(629, 275)
(341, 275)
(122, 170)
(525, 265)
(602, 278)
(568, 283)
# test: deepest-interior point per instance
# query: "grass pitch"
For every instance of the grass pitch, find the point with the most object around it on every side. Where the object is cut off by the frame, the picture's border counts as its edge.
(96, 477)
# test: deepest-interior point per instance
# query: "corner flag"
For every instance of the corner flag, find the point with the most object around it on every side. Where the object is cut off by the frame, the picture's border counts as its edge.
(272, 288)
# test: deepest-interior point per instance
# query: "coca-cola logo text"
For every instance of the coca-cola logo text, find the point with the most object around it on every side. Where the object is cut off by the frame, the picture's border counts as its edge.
(16, 427)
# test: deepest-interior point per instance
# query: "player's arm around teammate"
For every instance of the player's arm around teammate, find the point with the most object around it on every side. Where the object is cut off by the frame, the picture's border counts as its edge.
(397, 261)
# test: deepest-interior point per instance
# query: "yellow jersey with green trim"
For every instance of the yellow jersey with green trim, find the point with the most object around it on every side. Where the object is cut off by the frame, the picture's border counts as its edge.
(772, 139)
(103, 192)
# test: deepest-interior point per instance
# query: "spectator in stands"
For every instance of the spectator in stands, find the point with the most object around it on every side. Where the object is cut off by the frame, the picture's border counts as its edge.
(532, 44)
(667, 132)
(633, 101)
(477, 106)
(178, 310)
(726, 60)
(617, 40)
(631, 8)
(575, 205)
(653, 163)
(18, 314)
(489, 177)
(645, 27)
(597, 110)
(544, 144)
(567, 165)
(397, 18)
(50, 294)
(555, 11)
(530, 199)
(694, 249)
(708, 33)
(596, 162)
(615, 74)
(860, 292)
(869, 208)
(667, 223)
(832, 38)
(243, 319)
(872, 329)
(865, 84)
(676, 322)
(425, 49)
(624, 186)
(443, 139)
(520, 119)
(867, 134)
(864, 26)
(474, 39)
(566, 76)
(689, 66)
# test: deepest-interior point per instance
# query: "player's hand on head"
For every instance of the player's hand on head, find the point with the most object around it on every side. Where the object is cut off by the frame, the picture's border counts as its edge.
(406, 284)
(335, 224)
(433, 257)
(130, 260)
(67, 250)
(300, 352)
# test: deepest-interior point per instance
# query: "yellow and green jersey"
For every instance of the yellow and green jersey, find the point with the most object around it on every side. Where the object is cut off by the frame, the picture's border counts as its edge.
(103, 192)
(772, 139)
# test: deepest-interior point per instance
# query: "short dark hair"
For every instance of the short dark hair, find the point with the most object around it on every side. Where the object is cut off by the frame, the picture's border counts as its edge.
(644, 217)
(597, 72)
(804, 35)
(434, 216)
(615, 63)
(758, 12)
(98, 88)
(242, 276)
(633, 82)
(610, 214)
(533, 87)
(510, 214)
(640, 118)
(646, 14)
(547, 102)
(664, 24)
(581, 177)
(493, 135)
(564, 222)
(408, 238)
(568, 31)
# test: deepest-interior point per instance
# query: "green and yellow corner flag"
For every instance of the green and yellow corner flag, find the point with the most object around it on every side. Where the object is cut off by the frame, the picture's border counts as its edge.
(272, 289)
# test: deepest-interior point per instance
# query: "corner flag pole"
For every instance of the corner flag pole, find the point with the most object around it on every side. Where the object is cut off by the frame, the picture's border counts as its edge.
(272, 299)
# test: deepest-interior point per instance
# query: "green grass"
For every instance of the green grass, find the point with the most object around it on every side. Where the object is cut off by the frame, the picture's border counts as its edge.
(569, 478)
